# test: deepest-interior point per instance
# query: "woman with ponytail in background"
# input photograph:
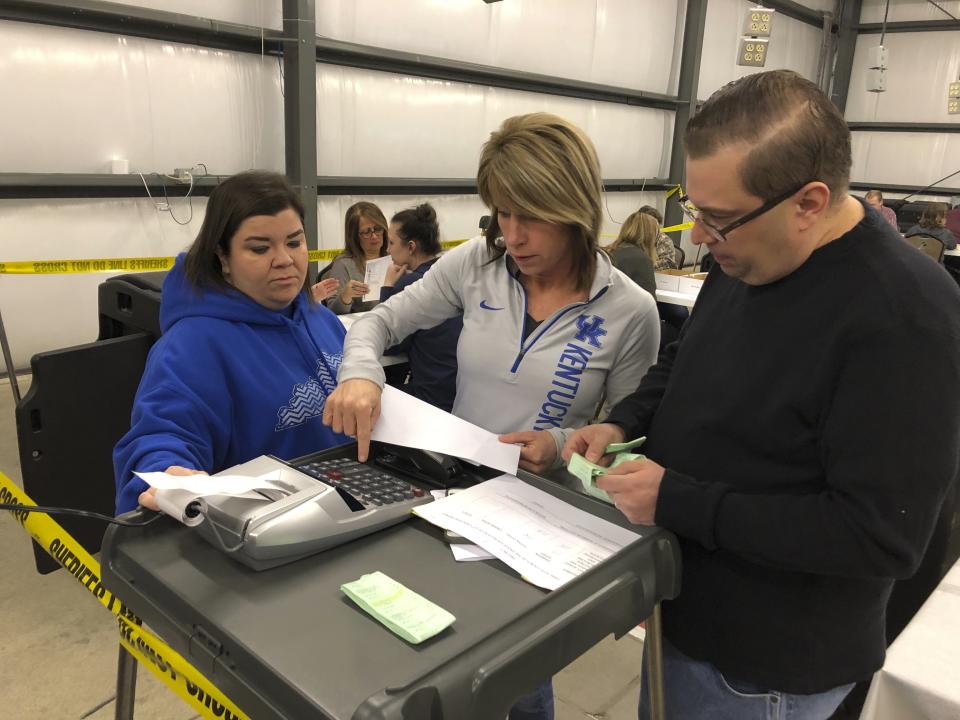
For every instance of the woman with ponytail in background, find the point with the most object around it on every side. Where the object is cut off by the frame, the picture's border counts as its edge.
(414, 245)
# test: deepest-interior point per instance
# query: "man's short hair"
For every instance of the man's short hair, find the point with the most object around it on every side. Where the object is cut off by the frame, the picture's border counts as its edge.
(794, 132)
(873, 195)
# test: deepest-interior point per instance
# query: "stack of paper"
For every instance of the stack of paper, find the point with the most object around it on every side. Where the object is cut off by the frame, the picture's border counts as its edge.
(404, 612)
(546, 540)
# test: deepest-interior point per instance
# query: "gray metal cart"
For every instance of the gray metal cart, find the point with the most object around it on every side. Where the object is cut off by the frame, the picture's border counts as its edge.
(288, 644)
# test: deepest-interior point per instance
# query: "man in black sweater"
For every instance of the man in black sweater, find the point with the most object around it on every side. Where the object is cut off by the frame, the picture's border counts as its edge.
(803, 430)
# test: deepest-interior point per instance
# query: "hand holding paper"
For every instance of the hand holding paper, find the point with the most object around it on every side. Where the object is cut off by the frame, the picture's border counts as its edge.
(175, 492)
(405, 420)
(588, 472)
(374, 275)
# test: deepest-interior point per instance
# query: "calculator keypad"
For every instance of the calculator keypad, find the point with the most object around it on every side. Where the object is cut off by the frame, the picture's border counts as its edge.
(370, 486)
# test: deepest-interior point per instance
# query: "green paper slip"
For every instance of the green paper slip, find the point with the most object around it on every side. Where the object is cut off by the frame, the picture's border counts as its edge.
(401, 610)
(625, 446)
(588, 472)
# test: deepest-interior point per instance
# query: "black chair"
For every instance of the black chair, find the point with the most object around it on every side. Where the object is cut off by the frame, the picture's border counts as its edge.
(680, 255)
(78, 407)
(928, 244)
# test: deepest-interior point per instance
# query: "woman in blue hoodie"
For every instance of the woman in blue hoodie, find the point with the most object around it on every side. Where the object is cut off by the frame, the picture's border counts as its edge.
(247, 358)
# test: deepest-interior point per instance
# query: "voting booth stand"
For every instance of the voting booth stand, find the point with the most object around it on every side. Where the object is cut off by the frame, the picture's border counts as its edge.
(287, 643)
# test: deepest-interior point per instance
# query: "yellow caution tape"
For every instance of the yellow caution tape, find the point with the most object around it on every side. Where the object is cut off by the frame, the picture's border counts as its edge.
(674, 190)
(676, 228)
(164, 662)
(65, 267)
(130, 264)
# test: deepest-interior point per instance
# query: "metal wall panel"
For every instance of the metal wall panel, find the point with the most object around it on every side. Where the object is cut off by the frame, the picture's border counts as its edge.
(258, 13)
(905, 158)
(627, 43)
(77, 99)
(794, 45)
(381, 124)
(920, 68)
(906, 10)
(44, 312)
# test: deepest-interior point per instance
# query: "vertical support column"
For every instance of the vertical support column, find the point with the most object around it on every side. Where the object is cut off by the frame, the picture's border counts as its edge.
(846, 45)
(687, 92)
(126, 685)
(300, 107)
(8, 360)
(654, 656)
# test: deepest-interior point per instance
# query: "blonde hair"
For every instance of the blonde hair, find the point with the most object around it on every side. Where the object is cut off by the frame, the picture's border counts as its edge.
(544, 167)
(639, 229)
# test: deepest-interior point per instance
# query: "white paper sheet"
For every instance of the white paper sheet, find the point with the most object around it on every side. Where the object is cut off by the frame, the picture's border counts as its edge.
(469, 553)
(208, 484)
(405, 420)
(543, 538)
(374, 276)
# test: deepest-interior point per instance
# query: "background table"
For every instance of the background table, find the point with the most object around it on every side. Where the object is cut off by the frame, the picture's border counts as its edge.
(920, 679)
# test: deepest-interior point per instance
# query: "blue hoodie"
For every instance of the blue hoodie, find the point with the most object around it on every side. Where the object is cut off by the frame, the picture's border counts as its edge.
(229, 380)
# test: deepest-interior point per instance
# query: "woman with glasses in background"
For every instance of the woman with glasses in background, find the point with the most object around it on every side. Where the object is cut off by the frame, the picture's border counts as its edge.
(365, 237)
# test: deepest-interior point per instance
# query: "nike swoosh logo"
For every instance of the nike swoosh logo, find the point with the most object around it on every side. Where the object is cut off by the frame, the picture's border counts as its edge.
(483, 304)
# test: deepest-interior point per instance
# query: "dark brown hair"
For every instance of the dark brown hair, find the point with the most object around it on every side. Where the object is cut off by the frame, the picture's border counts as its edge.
(934, 215)
(652, 212)
(419, 225)
(795, 133)
(240, 196)
(351, 231)
(546, 168)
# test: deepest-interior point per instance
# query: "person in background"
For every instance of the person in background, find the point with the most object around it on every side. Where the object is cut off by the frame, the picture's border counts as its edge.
(549, 325)
(414, 245)
(933, 222)
(666, 250)
(673, 316)
(246, 359)
(769, 421)
(953, 216)
(365, 233)
(874, 198)
(635, 250)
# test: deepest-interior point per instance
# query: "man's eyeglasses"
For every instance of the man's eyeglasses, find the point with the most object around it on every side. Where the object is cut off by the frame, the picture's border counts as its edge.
(369, 232)
(691, 213)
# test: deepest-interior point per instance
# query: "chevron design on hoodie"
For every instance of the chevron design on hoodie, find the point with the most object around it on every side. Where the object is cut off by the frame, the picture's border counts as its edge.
(306, 402)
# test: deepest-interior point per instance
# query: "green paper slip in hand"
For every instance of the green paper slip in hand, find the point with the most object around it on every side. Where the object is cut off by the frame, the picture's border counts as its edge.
(401, 610)
(588, 472)
(624, 446)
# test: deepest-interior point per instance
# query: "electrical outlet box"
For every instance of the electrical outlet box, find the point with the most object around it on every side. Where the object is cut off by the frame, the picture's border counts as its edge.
(876, 80)
(758, 21)
(877, 57)
(752, 52)
(953, 106)
(954, 90)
